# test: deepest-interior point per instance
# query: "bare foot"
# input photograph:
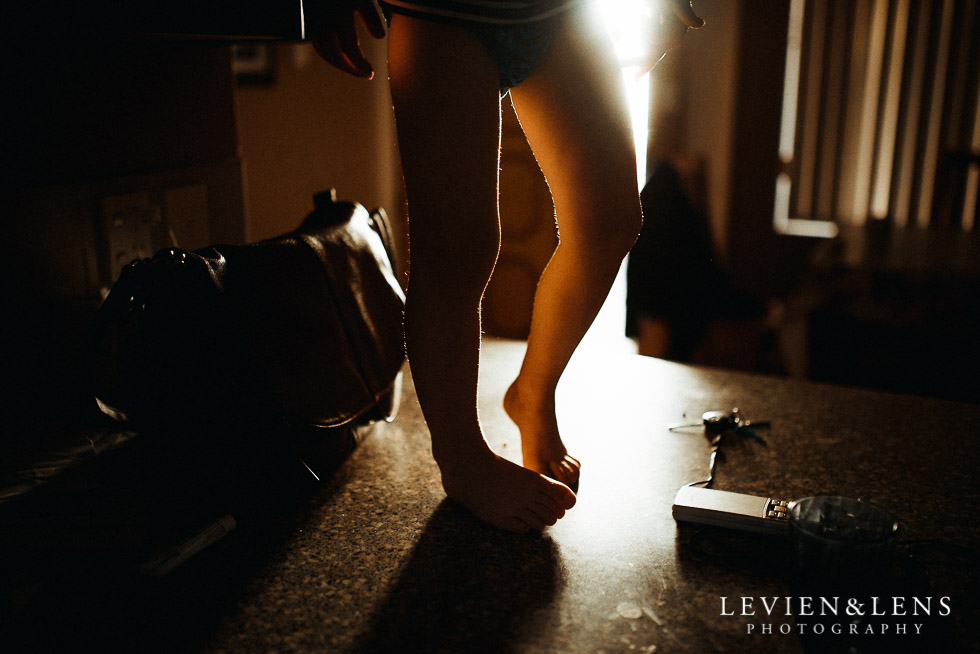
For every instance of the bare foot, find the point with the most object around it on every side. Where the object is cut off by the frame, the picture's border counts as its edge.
(503, 493)
(541, 445)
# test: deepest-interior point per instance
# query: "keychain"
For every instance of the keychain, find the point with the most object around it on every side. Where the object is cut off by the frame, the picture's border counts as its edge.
(720, 422)
(716, 424)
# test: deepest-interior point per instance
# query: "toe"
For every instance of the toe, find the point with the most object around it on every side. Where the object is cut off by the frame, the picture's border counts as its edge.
(553, 508)
(556, 471)
(532, 519)
(548, 510)
(516, 525)
(564, 472)
(561, 494)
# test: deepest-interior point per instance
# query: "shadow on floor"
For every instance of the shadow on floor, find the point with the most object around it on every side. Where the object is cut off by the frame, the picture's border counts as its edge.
(466, 587)
(97, 599)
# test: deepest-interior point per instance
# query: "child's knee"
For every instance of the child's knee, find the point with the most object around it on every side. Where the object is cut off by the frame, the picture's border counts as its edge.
(632, 223)
(612, 234)
(457, 260)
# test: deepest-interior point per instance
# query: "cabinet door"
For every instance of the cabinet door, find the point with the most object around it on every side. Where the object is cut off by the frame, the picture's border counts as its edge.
(212, 18)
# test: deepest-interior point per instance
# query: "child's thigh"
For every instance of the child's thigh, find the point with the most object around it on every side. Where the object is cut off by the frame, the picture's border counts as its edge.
(574, 112)
(447, 109)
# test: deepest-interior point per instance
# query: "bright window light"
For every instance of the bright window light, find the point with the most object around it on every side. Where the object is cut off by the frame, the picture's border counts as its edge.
(629, 24)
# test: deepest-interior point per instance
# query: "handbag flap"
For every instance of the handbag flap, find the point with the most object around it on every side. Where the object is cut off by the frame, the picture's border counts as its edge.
(322, 311)
(306, 326)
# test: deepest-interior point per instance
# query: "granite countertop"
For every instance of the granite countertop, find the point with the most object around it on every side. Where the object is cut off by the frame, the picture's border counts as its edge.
(382, 562)
(377, 559)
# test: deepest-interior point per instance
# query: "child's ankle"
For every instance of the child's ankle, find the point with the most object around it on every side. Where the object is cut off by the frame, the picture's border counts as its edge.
(452, 456)
(529, 398)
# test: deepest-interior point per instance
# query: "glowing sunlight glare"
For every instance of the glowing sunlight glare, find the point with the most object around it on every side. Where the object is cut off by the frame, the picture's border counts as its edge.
(628, 23)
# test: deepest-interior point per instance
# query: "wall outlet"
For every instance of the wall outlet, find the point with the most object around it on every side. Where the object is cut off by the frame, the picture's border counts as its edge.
(128, 223)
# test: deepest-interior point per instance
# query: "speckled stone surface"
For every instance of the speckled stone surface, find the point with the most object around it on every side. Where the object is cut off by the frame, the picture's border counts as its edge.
(379, 561)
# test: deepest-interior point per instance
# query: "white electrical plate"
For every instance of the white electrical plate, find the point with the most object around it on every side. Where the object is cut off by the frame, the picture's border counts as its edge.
(127, 226)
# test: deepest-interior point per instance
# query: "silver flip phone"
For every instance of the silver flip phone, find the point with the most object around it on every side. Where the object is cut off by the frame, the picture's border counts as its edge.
(719, 508)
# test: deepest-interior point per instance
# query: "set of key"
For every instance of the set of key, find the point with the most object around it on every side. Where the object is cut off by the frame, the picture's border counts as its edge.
(721, 422)
(718, 423)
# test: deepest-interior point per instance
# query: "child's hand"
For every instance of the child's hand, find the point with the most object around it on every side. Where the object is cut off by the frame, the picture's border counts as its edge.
(672, 24)
(332, 29)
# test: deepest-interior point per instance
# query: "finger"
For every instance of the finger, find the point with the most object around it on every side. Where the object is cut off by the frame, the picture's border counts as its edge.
(372, 20)
(351, 47)
(329, 51)
(685, 13)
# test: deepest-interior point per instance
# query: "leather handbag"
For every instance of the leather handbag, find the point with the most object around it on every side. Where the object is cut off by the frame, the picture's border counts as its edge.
(299, 335)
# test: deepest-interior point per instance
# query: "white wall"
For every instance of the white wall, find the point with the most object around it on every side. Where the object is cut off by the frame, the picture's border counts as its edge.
(315, 128)
(693, 103)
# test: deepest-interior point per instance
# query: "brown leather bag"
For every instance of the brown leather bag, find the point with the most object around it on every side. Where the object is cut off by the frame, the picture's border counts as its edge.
(300, 332)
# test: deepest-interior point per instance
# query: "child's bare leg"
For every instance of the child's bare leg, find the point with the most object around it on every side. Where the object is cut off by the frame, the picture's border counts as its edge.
(444, 87)
(575, 117)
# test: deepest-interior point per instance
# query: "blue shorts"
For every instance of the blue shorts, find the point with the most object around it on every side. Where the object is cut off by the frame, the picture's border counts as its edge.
(515, 48)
